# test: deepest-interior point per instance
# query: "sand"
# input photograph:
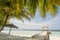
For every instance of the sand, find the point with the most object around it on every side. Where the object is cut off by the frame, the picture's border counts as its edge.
(53, 37)
(4, 36)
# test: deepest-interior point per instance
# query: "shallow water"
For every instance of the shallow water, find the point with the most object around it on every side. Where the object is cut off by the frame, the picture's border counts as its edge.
(28, 33)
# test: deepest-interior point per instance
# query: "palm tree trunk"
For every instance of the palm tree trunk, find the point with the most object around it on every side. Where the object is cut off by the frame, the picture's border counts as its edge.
(4, 22)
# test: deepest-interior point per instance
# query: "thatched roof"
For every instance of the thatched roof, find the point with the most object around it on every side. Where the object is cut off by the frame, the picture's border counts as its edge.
(11, 26)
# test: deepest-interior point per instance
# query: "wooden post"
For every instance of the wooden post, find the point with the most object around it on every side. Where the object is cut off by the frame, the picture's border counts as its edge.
(10, 31)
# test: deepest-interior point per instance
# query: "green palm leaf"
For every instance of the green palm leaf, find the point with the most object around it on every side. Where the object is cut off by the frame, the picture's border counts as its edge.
(32, 6)
(42, 8)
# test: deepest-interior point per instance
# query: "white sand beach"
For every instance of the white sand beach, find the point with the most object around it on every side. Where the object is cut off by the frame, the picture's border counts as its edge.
(26, 35)
(54, 37)
(4, 36)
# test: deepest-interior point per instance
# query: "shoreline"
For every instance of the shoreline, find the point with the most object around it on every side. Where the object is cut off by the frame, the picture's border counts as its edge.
(24, 37)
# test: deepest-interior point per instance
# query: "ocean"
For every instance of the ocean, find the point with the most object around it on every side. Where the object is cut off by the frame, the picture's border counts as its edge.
(28, 33)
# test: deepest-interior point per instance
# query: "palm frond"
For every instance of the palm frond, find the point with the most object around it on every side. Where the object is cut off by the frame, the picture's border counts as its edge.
(32, 6)
(54, 10)
(42, 8)
(57, 2)
(24, 15)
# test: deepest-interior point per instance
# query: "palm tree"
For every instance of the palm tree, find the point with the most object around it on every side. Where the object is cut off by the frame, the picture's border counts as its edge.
(19, 8)
(12, 9)
(48, 6)
(44, 6)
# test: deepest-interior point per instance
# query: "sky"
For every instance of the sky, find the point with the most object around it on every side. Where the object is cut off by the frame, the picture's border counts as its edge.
(38, 22)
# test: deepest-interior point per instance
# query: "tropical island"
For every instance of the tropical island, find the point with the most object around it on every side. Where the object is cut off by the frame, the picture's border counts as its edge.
(24, 19)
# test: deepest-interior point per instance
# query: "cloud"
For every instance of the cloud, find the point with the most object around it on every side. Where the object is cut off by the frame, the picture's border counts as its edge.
(33, 25)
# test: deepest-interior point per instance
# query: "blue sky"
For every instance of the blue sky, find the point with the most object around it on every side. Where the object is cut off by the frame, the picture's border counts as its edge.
(37, 22)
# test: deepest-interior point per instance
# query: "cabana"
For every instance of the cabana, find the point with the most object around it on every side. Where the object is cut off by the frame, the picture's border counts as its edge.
(11, 26)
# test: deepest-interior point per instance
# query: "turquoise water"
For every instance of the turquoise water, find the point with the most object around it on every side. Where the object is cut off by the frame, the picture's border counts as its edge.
(55, 33)
(28, 33)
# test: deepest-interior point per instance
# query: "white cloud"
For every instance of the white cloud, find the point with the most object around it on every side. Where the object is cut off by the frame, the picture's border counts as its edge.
(34, 25)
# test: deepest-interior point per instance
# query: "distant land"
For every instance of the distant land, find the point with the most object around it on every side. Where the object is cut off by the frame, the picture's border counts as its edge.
(31, 29)
(35, 30)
